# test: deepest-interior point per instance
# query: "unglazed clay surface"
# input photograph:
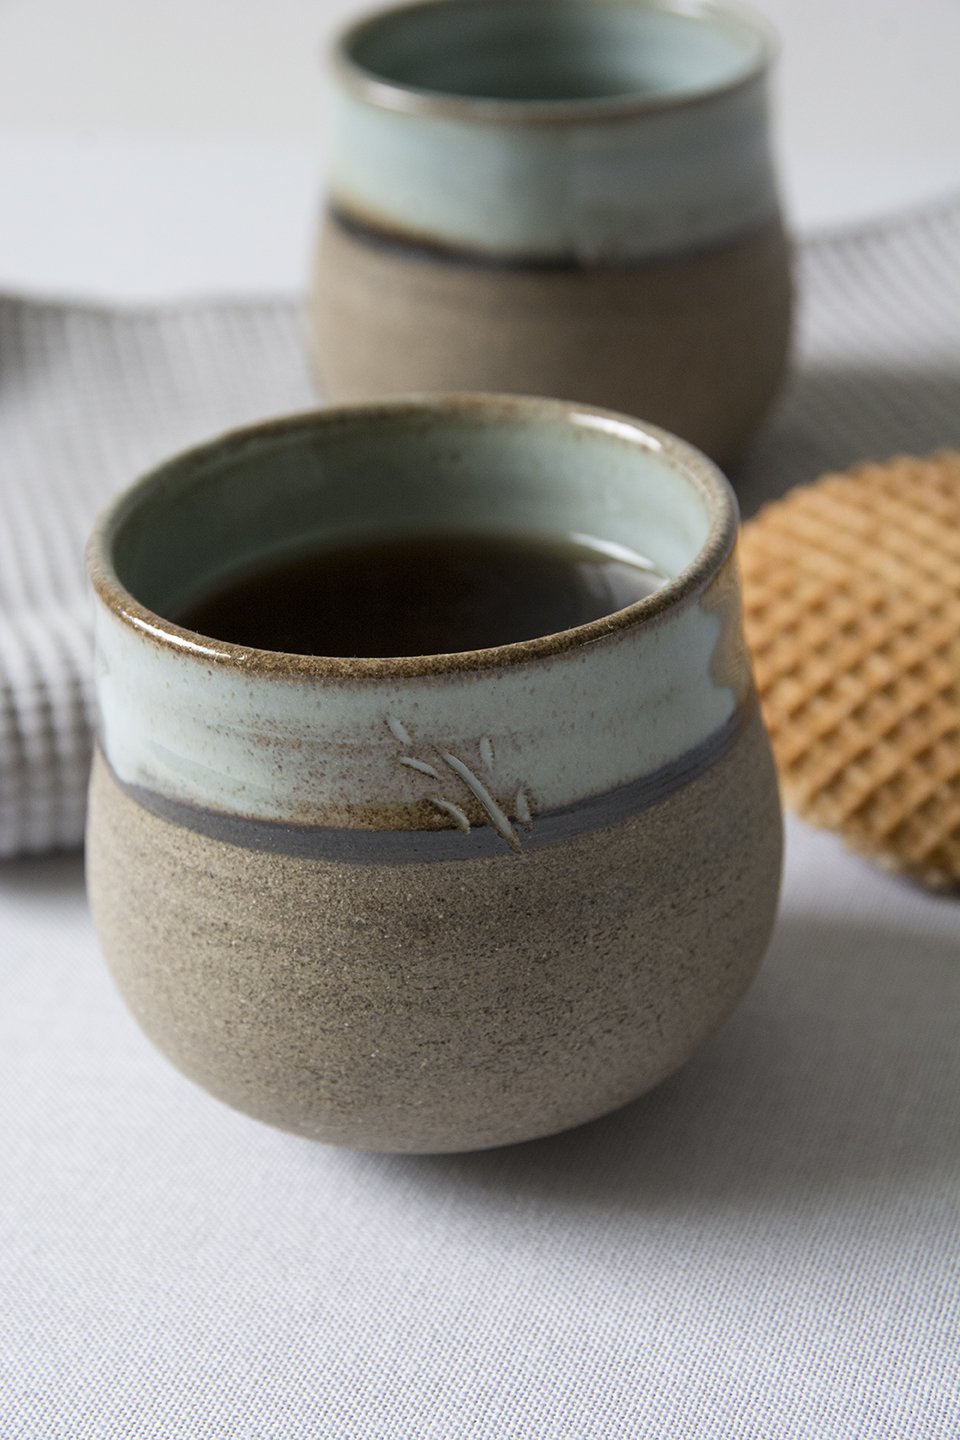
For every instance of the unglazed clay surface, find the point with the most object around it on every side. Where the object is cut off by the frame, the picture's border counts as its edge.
(696, 344)
(450, 1006)
(432, 902)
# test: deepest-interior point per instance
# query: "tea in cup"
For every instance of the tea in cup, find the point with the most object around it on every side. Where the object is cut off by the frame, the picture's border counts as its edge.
(432, 808)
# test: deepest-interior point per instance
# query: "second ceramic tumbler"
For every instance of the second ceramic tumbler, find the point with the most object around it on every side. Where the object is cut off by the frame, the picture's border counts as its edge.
(557, 197)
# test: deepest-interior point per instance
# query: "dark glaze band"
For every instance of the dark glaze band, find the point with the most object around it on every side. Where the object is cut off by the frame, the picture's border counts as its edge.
(378, 235)
(408, 847)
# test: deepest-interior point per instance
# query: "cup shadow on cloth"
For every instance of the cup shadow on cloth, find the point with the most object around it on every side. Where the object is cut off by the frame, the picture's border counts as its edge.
(820, 422)
(37, 876)
(833, 1076)
(830, 1078)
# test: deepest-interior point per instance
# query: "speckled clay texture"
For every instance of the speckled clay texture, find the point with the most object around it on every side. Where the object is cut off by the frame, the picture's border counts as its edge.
(446, 1006)
(697, 344)
(432, 902)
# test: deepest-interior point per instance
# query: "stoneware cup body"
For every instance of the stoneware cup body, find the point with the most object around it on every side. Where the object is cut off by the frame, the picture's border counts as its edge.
(434, 903)
(556, 197)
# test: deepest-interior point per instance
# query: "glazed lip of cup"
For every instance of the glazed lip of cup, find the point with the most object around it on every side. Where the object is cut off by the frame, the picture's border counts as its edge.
(201, 720)
(554, 131)
(144, 525)
(541, 60)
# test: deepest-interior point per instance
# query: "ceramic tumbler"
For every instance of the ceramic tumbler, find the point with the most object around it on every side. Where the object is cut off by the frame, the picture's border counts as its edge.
(556, 197)
(441, 902)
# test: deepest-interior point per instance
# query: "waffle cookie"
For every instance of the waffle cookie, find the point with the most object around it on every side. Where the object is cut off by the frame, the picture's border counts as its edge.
(852, 611)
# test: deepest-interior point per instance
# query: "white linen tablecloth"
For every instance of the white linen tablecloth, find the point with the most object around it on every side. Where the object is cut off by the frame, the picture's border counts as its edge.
(765, 1248)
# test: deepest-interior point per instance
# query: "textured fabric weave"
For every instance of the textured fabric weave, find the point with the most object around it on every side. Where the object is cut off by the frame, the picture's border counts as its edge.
(89, 399)
(765, 1248)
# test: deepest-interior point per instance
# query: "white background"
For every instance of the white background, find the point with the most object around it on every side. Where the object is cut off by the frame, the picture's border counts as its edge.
(151, 148)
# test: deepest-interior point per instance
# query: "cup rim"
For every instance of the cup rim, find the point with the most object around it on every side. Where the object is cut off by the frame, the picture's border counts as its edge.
(385, 94)
(684, 588)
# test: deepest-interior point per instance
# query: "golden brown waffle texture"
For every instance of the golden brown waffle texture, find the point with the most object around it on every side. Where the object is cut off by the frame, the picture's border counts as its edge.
(852, 610)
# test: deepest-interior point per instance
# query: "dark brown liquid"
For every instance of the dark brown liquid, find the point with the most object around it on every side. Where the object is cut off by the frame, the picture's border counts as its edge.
(423, 596)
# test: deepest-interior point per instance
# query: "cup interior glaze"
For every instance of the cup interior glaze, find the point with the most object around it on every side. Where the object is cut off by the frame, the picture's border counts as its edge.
(472, 464)
(525, 52)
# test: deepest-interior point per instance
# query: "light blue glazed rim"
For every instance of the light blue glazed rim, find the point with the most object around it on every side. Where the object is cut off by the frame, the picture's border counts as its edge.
(386, 93)
(509, 415)
(189, 724)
